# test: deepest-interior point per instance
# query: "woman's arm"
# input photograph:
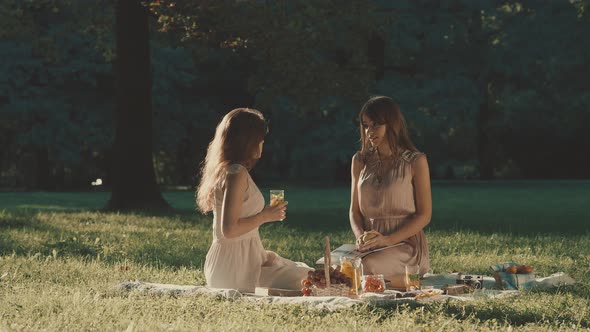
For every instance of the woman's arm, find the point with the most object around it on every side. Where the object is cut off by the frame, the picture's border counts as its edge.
(355, 215)
(421, 180)
(232, 225)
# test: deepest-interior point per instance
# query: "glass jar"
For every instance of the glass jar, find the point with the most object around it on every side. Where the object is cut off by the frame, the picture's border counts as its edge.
(373, 283)
(352, 267)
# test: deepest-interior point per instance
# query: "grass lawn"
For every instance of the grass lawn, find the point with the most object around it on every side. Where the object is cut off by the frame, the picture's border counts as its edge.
(61, 258)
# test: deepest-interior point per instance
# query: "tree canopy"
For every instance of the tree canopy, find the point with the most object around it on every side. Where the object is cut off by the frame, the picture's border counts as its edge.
(489, 88)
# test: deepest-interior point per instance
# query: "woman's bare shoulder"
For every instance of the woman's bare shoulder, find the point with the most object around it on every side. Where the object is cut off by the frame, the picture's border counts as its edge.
(357, 157)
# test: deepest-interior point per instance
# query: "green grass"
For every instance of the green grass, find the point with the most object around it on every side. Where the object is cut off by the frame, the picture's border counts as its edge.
(61, 258)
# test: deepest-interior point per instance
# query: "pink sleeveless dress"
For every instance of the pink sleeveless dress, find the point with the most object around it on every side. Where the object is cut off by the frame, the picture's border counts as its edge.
(386, 199)
(242, 263)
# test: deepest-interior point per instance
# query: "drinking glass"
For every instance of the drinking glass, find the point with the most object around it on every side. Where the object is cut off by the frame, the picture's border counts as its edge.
(276, 197)
(412, 277)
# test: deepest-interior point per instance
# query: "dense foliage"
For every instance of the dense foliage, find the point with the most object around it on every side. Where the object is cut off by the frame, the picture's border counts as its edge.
(490, 88)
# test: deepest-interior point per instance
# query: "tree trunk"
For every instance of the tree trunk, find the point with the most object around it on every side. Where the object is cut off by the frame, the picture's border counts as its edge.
(43, 174)
(480, 42)
(484, 142)
(133, 184)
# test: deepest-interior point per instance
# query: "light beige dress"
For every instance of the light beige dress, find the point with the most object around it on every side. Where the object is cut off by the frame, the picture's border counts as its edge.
(242, 263)
(387, 201)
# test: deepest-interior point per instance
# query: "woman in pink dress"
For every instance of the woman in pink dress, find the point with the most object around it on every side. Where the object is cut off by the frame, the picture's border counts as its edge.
(236, 258)
(390, 192)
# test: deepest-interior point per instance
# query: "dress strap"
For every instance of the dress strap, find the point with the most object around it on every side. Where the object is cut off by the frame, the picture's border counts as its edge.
(235, 168)
(411, 156)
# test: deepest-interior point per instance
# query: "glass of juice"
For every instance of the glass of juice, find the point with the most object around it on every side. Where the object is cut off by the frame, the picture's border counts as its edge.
(352, 267)
(276, 197)
(412, 277)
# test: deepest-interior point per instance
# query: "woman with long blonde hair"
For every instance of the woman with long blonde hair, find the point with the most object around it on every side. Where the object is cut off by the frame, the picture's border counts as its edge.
(236, 258)
(390, 193)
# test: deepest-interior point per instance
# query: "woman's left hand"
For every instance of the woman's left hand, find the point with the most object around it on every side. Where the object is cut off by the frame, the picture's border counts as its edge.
(379, 241)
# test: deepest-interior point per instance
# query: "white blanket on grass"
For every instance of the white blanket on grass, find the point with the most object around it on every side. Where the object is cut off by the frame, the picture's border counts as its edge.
(338, 302)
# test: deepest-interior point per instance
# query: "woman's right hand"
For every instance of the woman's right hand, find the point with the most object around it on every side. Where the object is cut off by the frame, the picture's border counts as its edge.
(275, 213)
(366, 236)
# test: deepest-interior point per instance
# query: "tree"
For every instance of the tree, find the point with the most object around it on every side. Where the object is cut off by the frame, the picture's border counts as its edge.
(133, 179)
(55, 97)
(306, 67)
(489, 88)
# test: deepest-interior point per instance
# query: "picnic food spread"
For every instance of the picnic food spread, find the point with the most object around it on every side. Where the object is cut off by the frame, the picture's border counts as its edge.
(511, 275)
(512, 268)
(373, 284)
(317, 279)
(519, 269)
(343, 279)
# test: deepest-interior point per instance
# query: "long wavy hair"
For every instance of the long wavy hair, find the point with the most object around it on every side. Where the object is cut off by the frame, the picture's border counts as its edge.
(236, 141)
(384, 111)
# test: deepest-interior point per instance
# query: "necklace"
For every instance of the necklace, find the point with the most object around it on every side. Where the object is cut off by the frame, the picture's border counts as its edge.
(388, 163)
(379, 170)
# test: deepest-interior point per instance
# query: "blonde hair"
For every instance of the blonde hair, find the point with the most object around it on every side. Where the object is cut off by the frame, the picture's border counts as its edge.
(384, 111)
(236, 141)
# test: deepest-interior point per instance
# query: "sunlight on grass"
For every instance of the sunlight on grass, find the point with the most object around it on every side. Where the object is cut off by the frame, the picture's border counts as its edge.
(61, 259)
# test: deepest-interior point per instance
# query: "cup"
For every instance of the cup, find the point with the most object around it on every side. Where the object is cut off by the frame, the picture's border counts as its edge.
(352, 267)
(276, 197)
(412, 279)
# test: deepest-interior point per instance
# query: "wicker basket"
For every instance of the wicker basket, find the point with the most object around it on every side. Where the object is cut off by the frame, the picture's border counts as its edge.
(333, 290)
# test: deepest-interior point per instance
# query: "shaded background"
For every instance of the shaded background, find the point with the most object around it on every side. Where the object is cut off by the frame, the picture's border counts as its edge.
(490, 89)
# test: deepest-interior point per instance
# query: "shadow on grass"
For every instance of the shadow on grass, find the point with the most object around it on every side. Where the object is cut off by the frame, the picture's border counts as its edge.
(24, 220)
(27, 217)
(149, 254)
(327, 220)
(62, 202)
(330, 220)
(30, 232)
(516, 226)
(509, 207)
(54, 240)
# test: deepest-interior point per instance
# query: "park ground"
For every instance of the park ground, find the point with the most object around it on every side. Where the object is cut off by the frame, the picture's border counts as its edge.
(61, 259)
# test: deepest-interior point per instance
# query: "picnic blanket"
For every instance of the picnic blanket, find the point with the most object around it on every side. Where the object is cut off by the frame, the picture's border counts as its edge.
(554, 280)
(149, 288)
(338, 302)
